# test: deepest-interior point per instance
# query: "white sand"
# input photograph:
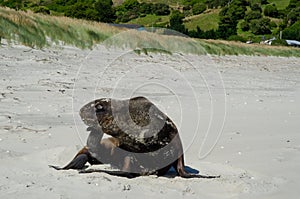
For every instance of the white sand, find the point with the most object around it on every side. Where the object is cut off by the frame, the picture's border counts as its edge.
(257, 155)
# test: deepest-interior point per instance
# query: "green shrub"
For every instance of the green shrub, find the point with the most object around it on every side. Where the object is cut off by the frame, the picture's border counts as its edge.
(244, 26)
(237, 38)
(41, 9)
(176, 22)
(273, 24)
(279, 42)
(292, 32)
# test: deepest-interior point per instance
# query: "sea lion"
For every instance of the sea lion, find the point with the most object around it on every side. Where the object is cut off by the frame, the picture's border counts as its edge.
(144, 140)
(142, 130)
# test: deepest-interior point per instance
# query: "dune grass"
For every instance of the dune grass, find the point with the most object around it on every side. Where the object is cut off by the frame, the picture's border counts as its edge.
(219, 47)
(36, 30)
(40, 31)
(155, 41)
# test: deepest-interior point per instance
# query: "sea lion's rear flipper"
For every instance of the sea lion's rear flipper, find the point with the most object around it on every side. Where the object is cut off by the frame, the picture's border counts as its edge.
(81, 158)
(77, 163)
(115, 173)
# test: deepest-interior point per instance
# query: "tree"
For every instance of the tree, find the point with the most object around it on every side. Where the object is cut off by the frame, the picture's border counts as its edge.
(216, 3)
(130, 4)
(198, 8)
(264, 2)
(176, 22)
(271, 10)
(146, 8)
(105, 11)
(294, 15)
(256, 7)
(160, 9)
(15, 4)
(229, 17)
(252, 15)
(260, 26)
(293, 4)
(78, 10)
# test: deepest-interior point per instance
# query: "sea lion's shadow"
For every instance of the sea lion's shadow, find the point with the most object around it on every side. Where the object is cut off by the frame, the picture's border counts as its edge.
(172, 172)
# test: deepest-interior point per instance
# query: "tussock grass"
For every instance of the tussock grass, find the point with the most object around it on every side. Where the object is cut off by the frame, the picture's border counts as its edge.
(40, 31)
(36, 30)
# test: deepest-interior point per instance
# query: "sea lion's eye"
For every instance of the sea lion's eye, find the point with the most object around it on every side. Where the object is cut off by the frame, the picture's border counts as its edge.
(99, 108)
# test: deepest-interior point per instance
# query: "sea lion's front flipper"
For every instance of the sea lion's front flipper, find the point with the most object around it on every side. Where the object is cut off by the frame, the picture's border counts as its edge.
(179, 165)
(115, 173)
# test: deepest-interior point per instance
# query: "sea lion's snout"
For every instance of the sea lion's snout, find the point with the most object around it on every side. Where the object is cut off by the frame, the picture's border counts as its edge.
(88, 114)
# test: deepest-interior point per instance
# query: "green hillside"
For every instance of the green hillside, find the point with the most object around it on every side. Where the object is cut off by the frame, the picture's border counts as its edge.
(280, 4)
(238, 20)
(206, 21)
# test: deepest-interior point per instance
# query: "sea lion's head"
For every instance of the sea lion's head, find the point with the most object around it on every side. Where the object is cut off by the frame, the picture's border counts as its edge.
(136, 117)
(94, 112)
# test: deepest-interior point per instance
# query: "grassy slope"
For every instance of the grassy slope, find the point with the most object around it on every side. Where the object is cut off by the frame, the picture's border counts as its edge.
(169, 2)
(206, 21)
(39, 31)
(150, 20)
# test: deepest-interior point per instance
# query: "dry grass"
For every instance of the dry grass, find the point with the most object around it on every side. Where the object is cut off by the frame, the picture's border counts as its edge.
(221, 47)
(155, 40)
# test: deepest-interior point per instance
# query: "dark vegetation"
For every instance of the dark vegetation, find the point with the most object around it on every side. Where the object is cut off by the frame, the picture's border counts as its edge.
(238, 19)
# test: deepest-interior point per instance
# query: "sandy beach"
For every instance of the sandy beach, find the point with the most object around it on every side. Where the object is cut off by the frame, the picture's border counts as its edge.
(238, 117)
